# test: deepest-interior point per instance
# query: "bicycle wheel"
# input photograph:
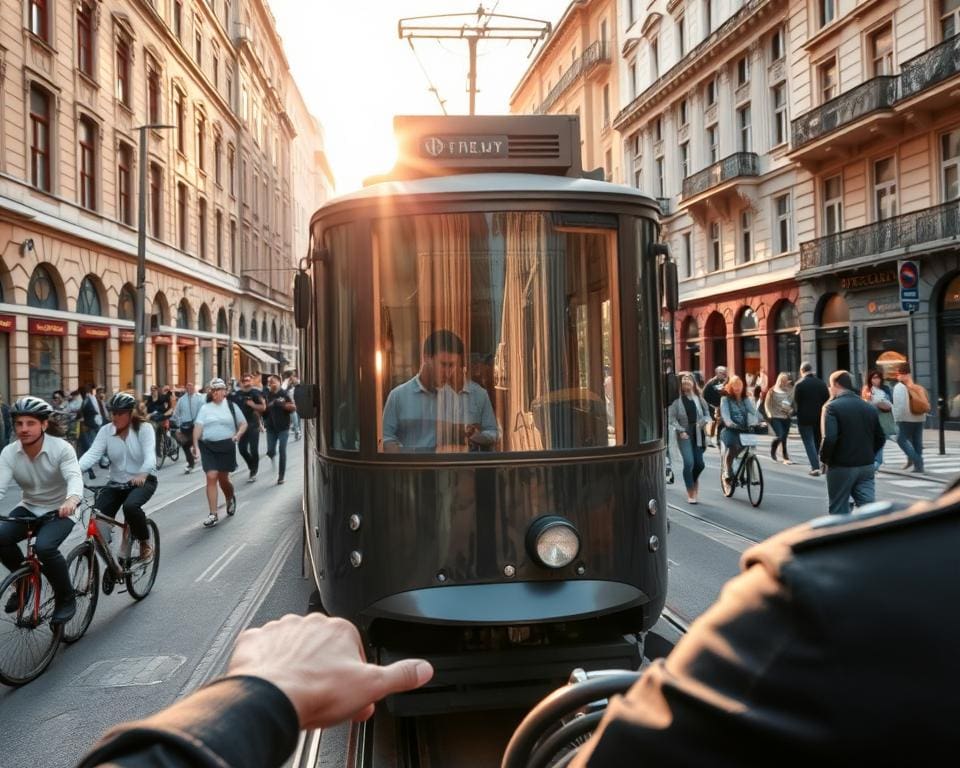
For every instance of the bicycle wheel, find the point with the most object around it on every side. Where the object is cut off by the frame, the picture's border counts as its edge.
(161, 454)
(174, 448)
(84, 570)
(142, 574)
(754, 479)
(28, 641)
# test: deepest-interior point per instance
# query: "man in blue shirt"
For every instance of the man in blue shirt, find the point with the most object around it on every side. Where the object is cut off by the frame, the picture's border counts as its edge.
(439, 409)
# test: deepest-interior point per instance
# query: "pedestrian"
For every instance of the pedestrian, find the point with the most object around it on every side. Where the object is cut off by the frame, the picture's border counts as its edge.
(276, 419)
(910, 407)
(712, 393)
(218, 428)
(250, 401)
(809, 395)
(880, 397)
(185, 414)
(851, 438)
(90, 422)
(738, 413)
(779, 407)
(292, 383)
(687, 415)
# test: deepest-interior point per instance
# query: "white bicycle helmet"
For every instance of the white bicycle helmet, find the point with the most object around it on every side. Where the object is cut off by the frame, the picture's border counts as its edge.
(32, 406)
(122, 401)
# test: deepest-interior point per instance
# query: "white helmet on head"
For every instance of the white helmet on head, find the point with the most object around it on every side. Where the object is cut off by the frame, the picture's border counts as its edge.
(32, 406)
(217, 384)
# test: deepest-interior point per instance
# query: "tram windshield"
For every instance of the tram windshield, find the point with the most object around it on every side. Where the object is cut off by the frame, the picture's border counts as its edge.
(497, 332)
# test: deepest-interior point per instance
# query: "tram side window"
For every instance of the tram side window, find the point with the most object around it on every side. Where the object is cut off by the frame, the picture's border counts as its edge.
(648, 317)
(496, 332)
(345, 384)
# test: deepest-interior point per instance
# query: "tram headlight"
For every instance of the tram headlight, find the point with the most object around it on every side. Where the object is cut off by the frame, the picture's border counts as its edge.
(553, 541)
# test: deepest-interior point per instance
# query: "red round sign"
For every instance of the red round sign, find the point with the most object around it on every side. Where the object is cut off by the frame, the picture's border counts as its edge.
(909, 276)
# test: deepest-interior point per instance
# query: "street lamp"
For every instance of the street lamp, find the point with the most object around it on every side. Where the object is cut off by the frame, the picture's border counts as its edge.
(139, 349)
(230, 342)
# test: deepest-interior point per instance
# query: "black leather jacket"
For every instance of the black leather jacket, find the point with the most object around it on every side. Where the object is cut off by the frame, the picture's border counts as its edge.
(851, 430)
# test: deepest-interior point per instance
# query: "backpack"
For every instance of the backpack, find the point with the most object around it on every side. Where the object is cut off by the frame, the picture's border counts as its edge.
(919, 401)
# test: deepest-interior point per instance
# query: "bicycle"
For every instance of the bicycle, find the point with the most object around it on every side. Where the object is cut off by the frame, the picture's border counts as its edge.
(28, 637)
(84, 567)
(167, 445)
(747, 473)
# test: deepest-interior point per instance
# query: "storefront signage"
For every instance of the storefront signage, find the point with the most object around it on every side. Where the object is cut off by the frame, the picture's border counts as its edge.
(876, 279)
(186, 341)
(127, 336)
(162, 339)
(465, 146)
(909, 275)
(8, 323)
(93, 332)
(882, 307)
(47, 327)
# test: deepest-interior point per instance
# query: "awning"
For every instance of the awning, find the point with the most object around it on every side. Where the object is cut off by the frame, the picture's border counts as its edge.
(256, 353)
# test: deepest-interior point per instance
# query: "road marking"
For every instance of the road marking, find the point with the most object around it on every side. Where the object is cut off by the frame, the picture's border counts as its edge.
(227, 562)
(214, 563)
(794, 496)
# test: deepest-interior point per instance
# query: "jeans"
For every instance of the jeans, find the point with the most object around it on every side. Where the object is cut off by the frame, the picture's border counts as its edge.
(295, 422)
(878, 459)
(275, 441)
(49, 537)
(185, 438)
(110, 499)
(781, 428)
(844, 482)
(249, 445)
(692, 461)
(910, 440)
(810, 434)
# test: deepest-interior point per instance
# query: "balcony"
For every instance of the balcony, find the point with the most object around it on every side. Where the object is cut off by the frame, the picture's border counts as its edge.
(595, 54)
(716, 185)
(921, 76)
(899, 234)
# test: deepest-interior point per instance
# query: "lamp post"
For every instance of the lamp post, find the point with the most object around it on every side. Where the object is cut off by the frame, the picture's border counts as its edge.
(230, 342)
(140, 325)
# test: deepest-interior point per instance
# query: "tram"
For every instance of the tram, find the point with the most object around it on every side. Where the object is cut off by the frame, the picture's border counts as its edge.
(483, 409)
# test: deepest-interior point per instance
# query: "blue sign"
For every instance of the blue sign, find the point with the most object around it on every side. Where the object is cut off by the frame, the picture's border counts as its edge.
(908, 275)
(910, 306)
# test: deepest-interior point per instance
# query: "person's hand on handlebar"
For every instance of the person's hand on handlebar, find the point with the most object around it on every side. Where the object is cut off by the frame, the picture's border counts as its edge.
(138, 480)
(319, 664)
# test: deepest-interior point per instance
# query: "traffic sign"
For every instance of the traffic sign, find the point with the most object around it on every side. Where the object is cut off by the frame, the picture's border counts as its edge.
(908, 275)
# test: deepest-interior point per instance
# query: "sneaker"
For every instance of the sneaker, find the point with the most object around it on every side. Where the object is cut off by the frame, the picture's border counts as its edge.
(773, 452)
(787, 462)
(232, 505)
(252, 478)
(210, 521)
(64, 610)
(814, 473)
(907, 465)
(188, 470)
(13, 602)
(146, 551)
(279, 481)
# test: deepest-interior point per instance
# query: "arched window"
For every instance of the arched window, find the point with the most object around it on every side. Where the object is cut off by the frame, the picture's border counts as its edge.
(88, 302)
(203, 318)
(161, 312)
(127, 303)
(42, 292)
(786, 327)
(273, 332)
(748, 321)
(222, 326)
(787, 318)
(835, 311)
(183, 314)
(833, 336)
(243, 327)
(263, 329)
(691, 345)
(749, 345)
(253, 329)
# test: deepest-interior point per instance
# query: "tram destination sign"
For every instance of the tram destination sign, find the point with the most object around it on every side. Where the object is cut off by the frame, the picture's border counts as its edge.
(472, 147)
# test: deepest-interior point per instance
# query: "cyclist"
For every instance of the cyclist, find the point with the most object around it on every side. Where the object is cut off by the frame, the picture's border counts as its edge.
(133, 467)
(46, 469)
(738, 413)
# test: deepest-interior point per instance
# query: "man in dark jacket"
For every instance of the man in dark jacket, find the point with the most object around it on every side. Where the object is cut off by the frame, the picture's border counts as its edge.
(809, 394)
(852, 435)
(791, 666)
(712, 393)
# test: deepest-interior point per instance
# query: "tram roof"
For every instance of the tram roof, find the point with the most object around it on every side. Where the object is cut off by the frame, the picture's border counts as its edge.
(487, 185)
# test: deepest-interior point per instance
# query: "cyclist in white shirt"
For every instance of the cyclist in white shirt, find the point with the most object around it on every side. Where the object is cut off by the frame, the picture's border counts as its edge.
(133, 466)
(46, 469)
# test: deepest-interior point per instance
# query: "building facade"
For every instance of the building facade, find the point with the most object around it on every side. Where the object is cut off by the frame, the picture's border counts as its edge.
(76, 82)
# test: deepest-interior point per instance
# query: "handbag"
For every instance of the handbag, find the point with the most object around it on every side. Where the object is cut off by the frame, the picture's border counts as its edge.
(887, 424)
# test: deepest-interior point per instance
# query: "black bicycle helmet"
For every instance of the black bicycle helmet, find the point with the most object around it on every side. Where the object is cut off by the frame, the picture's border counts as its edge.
(32, 406)
(122, 401)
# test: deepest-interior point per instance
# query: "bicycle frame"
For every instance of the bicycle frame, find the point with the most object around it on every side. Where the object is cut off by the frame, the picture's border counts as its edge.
(32, 562)
(100, 544)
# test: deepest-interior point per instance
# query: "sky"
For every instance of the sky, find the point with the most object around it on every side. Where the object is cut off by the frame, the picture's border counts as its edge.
(355, 73)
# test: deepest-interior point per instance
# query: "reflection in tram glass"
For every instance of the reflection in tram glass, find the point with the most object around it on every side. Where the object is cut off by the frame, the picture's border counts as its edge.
(496, 332)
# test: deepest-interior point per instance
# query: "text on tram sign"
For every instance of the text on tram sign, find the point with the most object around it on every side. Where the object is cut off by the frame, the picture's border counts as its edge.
(465, 146)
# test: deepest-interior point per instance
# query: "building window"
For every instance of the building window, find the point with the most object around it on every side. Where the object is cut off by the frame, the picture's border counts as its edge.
(684, 159)
(215, 66)
(827, 11)
(39, 19)
(746, 236)
(180, 112)
(231, 162)
(687, 254)
(660, 179)
(744, 128)
(710, 92)
(743, 70)
(777, 44)
(218, 160)
(654, 60)
(683, 113)
(949, 18)
(124, 194)
(40, 138)
(41, 292)
(85, 38)
(156, 201)
(779, 95)
(658, 129)
(607, 165)
(178, 19)
(606, 106)
(781, 207)
(182, 216)
(707, 17)
(634, 85)
(218, 234)
(713, 144)
(88, 302)
(202, 228)
(201, 141)
(832, 205)
(827, 78)
(950, 164)
(715, 254)
(682, 36)
(198, 46)
(233, 246)
(885, 188)
(226, 15)
(87, 140)
(153, 94)
(881, 51)
(228, 82)
(123, 71)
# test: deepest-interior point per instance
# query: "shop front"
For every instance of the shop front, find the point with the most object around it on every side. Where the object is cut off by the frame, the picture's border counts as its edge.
(8, 324)
(46, 356)
(127, 339)
(254, 359)
(161, 359)
(92, 343)
(949, 348)
(186, 360)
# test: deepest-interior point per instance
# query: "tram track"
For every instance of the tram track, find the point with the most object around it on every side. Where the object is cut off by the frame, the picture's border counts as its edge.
(707, 521)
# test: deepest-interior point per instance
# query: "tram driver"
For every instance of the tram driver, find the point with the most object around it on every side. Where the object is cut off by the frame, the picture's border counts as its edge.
(440, 409)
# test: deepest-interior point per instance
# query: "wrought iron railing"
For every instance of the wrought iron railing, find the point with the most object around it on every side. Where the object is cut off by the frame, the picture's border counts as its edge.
(664, 203)
(737, 164)
(878, 93)
(594, 54)
(931, 67)
(941, 222)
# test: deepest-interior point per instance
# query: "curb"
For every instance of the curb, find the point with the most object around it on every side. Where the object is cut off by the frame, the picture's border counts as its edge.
(914, 475)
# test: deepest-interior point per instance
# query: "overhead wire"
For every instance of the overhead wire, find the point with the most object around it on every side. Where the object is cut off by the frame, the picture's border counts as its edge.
(433, 88)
